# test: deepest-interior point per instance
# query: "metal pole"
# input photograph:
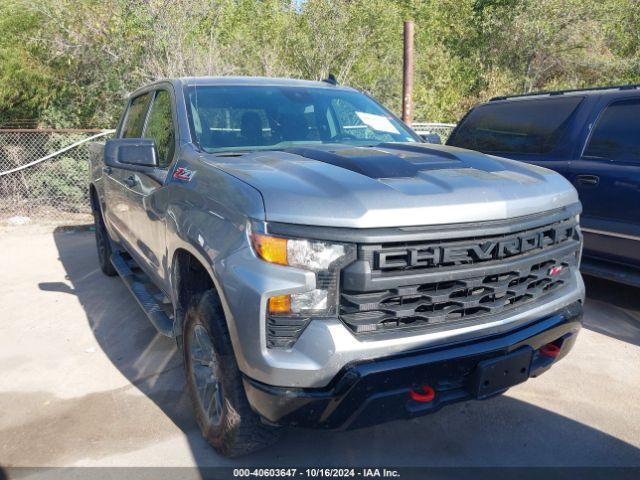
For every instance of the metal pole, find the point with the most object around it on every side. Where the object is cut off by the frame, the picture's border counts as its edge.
(407, 78)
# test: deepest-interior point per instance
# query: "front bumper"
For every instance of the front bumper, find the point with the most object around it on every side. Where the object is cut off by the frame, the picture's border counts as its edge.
(377, 391)
(327, 345)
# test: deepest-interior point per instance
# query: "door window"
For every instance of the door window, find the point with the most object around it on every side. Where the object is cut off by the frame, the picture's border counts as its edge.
(134, 120)
(616, 136)
(160, 127)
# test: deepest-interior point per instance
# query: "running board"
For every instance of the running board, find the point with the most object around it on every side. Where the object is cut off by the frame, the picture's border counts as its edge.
(146, 300)
(612, 272)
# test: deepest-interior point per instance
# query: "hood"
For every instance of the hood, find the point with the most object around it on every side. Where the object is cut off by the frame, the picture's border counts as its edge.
(394, 185)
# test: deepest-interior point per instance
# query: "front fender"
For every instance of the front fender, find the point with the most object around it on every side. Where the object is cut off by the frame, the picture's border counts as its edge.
(207, 217)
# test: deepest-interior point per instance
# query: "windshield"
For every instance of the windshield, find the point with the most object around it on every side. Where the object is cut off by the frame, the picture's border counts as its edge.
(275, 117)
(519, 126)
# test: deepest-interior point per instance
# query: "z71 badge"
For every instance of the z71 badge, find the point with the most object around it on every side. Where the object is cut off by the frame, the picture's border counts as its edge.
(183, 174)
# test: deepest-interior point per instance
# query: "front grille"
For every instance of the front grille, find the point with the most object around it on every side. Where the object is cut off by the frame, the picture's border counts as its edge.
(415, 306)
(394, 257)
(455, 292)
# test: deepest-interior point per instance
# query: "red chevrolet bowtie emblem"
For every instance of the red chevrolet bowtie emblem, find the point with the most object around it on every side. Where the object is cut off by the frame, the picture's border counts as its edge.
(553, 271)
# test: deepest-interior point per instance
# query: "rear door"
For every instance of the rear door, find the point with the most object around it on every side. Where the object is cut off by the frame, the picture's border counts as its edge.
(607, 177)
(118, 182)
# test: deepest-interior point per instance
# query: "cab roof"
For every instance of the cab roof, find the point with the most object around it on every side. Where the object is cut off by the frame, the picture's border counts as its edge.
(241, 81)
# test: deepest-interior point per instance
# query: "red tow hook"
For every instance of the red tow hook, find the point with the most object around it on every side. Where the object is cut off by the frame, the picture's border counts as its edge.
(550, 350)
(427, 395)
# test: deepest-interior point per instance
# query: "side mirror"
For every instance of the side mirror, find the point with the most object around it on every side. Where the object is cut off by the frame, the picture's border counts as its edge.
(431, 138)
(131, 153)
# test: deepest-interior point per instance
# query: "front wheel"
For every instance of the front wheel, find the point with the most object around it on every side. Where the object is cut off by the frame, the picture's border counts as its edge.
(214, 382)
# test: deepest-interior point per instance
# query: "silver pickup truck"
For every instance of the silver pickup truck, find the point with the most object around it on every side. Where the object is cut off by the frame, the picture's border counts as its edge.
(320, 266)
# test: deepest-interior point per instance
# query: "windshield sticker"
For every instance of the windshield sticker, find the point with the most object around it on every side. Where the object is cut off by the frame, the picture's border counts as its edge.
(378, 123)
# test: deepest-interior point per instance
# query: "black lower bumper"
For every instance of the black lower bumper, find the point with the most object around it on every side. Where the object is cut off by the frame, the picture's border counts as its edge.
(377, 391)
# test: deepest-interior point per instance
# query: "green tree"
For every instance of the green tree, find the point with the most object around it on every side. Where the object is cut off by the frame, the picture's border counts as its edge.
(24, 80)
(71, 62)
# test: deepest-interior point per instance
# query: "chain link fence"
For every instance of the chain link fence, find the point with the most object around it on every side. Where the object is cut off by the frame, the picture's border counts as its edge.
(442, 130)
(32, 185)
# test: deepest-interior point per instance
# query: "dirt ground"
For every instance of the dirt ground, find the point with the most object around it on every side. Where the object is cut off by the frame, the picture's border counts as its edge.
(86, 381)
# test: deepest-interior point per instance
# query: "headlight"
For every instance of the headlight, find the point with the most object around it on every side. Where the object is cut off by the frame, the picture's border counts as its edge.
(323, 258)
(314, 256)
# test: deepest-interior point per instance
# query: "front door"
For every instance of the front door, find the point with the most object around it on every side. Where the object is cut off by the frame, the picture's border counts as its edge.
(148, 195)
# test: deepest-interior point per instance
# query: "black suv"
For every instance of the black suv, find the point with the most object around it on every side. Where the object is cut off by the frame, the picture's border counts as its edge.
(590, 136)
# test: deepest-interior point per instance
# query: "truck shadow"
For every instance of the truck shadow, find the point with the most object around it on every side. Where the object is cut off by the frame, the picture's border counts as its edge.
(502, 431)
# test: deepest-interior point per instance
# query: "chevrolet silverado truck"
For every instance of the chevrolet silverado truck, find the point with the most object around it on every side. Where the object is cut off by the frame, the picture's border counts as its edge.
(320, 266)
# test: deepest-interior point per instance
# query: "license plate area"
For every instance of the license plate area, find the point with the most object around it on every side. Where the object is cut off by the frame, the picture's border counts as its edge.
(495, 375)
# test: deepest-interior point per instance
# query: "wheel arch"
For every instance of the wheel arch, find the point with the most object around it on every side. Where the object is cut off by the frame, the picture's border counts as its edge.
(191, 275)
(96, 200)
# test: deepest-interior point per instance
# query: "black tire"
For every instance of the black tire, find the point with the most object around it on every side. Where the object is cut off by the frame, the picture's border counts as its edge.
(233, 429)
(103, 244)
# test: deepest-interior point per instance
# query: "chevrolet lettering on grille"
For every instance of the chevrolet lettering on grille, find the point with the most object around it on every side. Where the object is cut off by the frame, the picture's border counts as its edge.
(432, 256)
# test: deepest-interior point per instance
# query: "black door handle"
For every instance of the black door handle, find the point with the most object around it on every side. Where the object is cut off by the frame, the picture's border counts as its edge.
(592, 180)
(107, 170)
(130, 181)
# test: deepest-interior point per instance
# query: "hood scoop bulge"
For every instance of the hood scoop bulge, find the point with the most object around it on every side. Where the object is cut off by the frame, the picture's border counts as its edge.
(384, 161)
